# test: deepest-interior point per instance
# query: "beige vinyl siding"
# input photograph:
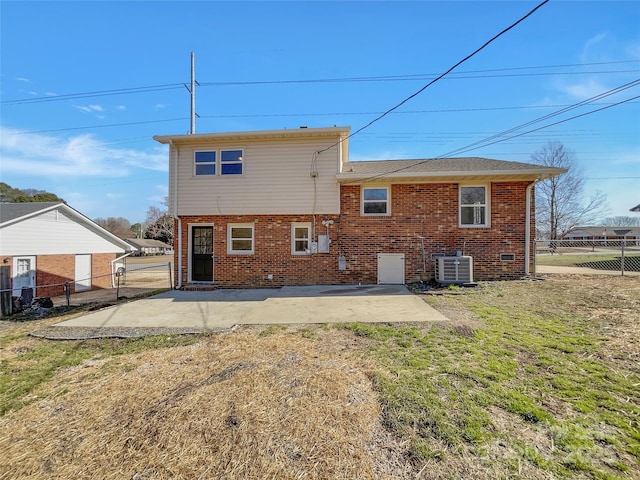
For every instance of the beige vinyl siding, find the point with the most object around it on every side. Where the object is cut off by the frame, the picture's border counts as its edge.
(275, 179)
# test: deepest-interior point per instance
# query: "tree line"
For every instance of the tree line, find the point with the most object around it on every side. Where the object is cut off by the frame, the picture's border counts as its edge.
(561, 204)
(158, 224)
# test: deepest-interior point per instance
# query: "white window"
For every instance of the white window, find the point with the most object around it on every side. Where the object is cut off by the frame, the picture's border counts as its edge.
(474, 206)
(300, 238)
(205, 163)
(375, 201)
(218, 162)
(240, 238)
(230, 162)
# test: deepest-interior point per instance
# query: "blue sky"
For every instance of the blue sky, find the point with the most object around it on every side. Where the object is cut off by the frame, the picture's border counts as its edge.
(85, 85)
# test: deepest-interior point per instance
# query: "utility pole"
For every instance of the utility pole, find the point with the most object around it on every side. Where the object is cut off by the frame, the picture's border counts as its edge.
(193, 95)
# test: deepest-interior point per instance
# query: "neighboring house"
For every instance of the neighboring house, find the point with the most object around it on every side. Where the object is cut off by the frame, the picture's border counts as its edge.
(603, 234)
(48, 243)
(148, 246)
(287, 207)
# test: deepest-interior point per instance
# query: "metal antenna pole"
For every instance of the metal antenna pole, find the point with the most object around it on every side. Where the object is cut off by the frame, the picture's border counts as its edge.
(193, 95)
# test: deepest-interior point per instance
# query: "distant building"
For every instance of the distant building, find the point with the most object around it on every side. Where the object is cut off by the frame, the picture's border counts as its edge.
(147, 246)
(604, 233)
(47, 244)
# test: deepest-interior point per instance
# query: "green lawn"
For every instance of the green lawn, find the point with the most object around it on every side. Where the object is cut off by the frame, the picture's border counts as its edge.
(537, 369)
(599, 262)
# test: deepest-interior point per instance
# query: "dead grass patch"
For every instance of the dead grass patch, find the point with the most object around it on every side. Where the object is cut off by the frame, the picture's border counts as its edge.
(231, 406)
(528, 379)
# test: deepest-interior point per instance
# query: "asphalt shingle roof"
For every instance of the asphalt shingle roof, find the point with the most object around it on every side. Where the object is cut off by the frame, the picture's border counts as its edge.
(440, 165)
(590, 231)
(11, 211)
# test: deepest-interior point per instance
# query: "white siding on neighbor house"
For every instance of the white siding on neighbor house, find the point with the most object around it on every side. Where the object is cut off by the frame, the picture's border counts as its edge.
(52, 233)
(275, 179)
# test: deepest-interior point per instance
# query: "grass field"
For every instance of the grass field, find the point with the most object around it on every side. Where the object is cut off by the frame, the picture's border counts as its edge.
(596, 261)
(531, 380)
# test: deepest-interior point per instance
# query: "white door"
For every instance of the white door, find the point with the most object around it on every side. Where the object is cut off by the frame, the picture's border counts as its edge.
(24, 274)
(83, 273)
(391, 268)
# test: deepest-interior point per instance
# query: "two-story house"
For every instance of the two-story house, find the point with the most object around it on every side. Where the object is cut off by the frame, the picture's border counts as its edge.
(287, 207)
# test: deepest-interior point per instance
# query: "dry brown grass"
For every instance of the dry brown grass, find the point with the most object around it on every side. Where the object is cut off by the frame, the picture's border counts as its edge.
(231, 406)
(279, 403)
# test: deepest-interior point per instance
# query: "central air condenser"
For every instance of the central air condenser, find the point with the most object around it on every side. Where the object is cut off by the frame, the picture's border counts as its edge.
(454, 270)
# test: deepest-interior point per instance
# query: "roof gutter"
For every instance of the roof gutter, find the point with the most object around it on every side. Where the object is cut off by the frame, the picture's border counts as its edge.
(113, 269)
(527, 226)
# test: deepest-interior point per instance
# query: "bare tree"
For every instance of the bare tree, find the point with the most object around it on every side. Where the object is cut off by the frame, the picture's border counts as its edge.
(120, 227)
(622, 221)
(159, 225)
(560, 202)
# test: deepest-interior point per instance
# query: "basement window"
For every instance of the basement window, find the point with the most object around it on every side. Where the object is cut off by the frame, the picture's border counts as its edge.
(507, 257)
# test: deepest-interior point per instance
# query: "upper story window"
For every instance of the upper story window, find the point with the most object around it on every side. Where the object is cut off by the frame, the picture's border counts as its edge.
(218, 162)
(474, 206)
(205, 163)
(240, 238)
(375, 201)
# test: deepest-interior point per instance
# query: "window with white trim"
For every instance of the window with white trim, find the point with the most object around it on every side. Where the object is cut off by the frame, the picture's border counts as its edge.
(300, 238)
(474, 211)
(375, 201)
(240, 238)
(218, 162)
(205, 163)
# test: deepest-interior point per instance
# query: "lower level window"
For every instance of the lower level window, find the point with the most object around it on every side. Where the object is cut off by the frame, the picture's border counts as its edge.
(240, 238)
(300, 237)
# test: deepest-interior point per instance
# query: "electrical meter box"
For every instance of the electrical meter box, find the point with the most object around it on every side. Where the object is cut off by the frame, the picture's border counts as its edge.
(323, 243)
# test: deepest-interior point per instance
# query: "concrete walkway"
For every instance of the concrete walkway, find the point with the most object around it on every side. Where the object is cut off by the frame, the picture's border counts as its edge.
(213, 310)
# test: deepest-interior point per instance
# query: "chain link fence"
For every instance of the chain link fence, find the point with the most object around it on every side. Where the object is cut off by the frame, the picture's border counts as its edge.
(130, 280)
(589, 256)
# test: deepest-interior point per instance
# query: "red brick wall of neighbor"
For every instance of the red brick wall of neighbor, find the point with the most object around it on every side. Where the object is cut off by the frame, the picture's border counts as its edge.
(57, 269)
(429, 210)
(101, 269)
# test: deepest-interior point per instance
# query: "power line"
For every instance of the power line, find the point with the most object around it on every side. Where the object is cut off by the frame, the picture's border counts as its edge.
(488, 42)
(98, 93)
(303, 114)
(475, 145)
(380, 78)
(99, 126)
(588, 101)
(405, 78)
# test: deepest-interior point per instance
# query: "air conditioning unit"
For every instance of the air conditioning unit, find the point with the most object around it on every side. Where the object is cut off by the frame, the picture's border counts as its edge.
(454, 270)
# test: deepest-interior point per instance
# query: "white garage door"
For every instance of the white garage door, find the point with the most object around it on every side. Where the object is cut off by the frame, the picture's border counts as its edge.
(391, 268)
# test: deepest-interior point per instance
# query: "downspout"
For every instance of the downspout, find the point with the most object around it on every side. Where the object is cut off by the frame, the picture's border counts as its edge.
(527, 227)
(113, 271)
(174, 151)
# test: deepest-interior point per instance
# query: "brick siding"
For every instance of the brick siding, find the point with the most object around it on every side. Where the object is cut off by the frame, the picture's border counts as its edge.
(427, 210)
(52, 271)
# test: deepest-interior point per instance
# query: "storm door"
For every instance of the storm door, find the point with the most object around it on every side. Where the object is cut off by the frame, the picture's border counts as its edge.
(202, 254)
(24, 274)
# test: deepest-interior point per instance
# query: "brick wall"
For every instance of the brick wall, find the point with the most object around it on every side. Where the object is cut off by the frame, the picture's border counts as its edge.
(427, 210)
(54, 270)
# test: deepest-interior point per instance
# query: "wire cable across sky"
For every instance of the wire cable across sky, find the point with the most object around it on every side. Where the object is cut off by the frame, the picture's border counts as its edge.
(413, 95)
